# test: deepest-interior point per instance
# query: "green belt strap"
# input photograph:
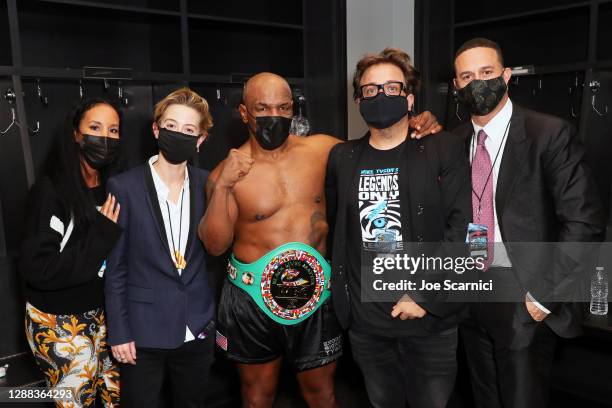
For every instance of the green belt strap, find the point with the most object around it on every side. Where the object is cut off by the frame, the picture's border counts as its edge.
(261, 277)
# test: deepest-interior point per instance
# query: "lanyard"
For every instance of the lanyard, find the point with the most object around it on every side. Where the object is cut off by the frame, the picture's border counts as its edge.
(479, 197)
(180, 263)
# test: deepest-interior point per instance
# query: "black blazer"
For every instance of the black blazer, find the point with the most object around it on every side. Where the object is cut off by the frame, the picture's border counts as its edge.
(545, 193)
(146, 300)
(435, 184)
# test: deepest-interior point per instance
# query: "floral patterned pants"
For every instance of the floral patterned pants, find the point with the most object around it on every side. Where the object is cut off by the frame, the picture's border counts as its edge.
(71, 351)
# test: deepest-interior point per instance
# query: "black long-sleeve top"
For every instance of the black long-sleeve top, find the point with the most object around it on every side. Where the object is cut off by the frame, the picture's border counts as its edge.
(63, 281)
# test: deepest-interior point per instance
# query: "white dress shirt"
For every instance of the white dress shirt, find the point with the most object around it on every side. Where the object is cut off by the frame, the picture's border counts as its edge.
(497, 135)
(180, 225)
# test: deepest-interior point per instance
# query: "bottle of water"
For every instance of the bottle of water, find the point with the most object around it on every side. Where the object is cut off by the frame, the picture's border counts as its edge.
(599, 292)
(300, 125)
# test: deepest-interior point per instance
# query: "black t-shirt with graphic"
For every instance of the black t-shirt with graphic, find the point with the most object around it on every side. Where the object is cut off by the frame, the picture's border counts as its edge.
(375, 224)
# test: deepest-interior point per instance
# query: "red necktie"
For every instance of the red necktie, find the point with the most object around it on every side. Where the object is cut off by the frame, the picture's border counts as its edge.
(482, 192)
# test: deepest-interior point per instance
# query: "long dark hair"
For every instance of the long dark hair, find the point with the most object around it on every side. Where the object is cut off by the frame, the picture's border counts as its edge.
(64, 165)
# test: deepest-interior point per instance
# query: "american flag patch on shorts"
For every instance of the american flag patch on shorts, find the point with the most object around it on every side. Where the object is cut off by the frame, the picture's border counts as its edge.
(221, 341)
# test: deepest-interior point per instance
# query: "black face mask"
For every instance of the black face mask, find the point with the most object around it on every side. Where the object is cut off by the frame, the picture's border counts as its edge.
(99, 151)
(176, 147)
(481, 96)
(383, 111)
(272, 131)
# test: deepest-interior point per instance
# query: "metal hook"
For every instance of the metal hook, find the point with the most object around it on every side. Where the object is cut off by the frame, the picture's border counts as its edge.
(36, 129)
(106, 85)
(13, 122)
(221, 98)
(43, 99)
(595, 85)
(10, 96)
(539, 88)
(572, 113)
(81, 91)
(596, 110)
(301, 101)
(571, 91)
(122, 99)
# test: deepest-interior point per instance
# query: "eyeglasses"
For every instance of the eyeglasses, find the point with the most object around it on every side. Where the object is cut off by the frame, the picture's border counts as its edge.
(390, 88)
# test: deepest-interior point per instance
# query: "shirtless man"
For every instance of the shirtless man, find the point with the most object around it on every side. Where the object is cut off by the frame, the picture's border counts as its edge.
(266, 201)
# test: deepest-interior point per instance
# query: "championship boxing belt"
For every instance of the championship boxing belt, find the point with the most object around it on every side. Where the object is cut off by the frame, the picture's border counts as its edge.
(288, 283)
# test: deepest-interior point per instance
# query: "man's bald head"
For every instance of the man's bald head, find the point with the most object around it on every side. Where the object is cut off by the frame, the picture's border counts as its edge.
(267, 88)
(265, 94)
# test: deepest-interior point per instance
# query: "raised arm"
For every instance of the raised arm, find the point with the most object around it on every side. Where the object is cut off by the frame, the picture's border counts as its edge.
(216, 229)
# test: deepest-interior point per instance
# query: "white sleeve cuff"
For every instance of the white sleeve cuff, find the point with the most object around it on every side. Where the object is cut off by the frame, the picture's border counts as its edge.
(538, 305)
(188, 335)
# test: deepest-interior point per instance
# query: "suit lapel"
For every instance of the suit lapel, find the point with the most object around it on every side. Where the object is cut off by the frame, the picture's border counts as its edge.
(193, 221)
(410, 170)
(354, 159)
(515, 152)
(194, 189)
(346, 179)
(466, 135)
(156, 211)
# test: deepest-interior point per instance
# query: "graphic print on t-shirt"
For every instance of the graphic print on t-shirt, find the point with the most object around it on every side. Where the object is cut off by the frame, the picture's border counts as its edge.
(379, 209)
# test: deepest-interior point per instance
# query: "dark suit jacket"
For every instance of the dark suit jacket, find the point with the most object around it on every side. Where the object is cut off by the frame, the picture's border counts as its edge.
(545, 193)
(146, 299)
(434, 184)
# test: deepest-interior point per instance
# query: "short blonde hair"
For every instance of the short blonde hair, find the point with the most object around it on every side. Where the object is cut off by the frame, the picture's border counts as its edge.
(187, 97)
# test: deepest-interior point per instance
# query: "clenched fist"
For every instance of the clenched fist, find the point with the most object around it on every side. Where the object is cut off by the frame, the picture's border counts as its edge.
(236, 166)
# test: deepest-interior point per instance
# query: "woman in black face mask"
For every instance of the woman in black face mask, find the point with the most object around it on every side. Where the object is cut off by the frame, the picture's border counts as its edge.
(70, 230)
(159, 301)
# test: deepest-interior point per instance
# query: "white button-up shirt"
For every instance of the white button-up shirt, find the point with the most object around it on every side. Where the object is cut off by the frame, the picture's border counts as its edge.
(171, 214)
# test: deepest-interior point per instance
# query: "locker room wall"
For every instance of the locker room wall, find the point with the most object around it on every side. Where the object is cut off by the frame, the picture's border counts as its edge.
(213, 47)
